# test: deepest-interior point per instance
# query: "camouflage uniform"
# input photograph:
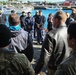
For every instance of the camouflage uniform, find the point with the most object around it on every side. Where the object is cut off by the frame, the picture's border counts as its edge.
(14, 64)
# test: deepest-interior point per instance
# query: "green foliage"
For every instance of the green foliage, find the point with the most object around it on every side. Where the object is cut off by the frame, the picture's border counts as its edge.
(4, 3)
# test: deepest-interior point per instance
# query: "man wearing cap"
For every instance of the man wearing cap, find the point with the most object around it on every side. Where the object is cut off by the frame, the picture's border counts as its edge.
(2, 18)
(12, 63)
(20, 39)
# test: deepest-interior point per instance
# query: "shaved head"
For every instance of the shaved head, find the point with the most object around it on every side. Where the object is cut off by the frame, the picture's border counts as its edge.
(60, 15)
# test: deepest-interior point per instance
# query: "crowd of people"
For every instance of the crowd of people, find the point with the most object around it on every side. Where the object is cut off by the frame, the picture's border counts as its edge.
(34, 25)
(58, 50)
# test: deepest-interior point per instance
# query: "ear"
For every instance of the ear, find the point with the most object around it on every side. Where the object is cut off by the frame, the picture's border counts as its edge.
(73, 41)
(18, 21)
(57, 21)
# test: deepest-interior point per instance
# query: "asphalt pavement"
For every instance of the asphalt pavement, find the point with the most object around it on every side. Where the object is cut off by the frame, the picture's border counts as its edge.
(37, 51)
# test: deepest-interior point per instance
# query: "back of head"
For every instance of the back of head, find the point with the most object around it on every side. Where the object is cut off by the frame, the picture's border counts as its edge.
(13, 19)
(73, 10)
(5, 35)
(72, 30)
(12, 11)
(60, 15)
(67, 14)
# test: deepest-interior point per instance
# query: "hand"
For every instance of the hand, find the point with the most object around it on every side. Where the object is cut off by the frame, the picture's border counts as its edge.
(36, 74)
(29, 26)
(38, 25)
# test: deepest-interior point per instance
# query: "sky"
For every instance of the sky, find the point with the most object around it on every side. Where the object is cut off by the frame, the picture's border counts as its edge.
(40, 0)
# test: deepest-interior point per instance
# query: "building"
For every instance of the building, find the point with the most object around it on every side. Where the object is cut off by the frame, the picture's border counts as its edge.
(66, 3)
(72, 1)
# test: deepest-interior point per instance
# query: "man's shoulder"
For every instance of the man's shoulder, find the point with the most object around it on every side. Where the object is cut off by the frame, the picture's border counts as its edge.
(20, 59)
(67, 67)
(26, 18)
(3, 15)
(32, 18)
(19, 56)
(62, 31)
(69, 62)
(23, 31)
(52, 32)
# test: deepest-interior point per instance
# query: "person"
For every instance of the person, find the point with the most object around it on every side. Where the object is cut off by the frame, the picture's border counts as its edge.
(20, 38)
(22, 20)
(73, 14)
(36, 17)
(68, 67)
(12, 11)
(29, 22)
(54, 49)
(40, 27)
(50, 20)
(2, 18)
(12, 63)
(69, 19)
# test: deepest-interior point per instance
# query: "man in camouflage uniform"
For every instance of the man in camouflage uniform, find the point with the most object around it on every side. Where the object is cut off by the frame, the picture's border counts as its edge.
(12, 63)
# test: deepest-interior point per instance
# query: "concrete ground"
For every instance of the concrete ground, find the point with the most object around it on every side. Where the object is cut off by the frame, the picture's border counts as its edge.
(37, 51)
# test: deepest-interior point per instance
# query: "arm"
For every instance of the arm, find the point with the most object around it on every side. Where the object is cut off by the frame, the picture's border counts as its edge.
(61, 70)
(30, 68)
(45, 53)
(26, 21)
(22, 20)
(33, 22)
(4, 16)
(21, 66)
(29, 49)
(44, 19)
